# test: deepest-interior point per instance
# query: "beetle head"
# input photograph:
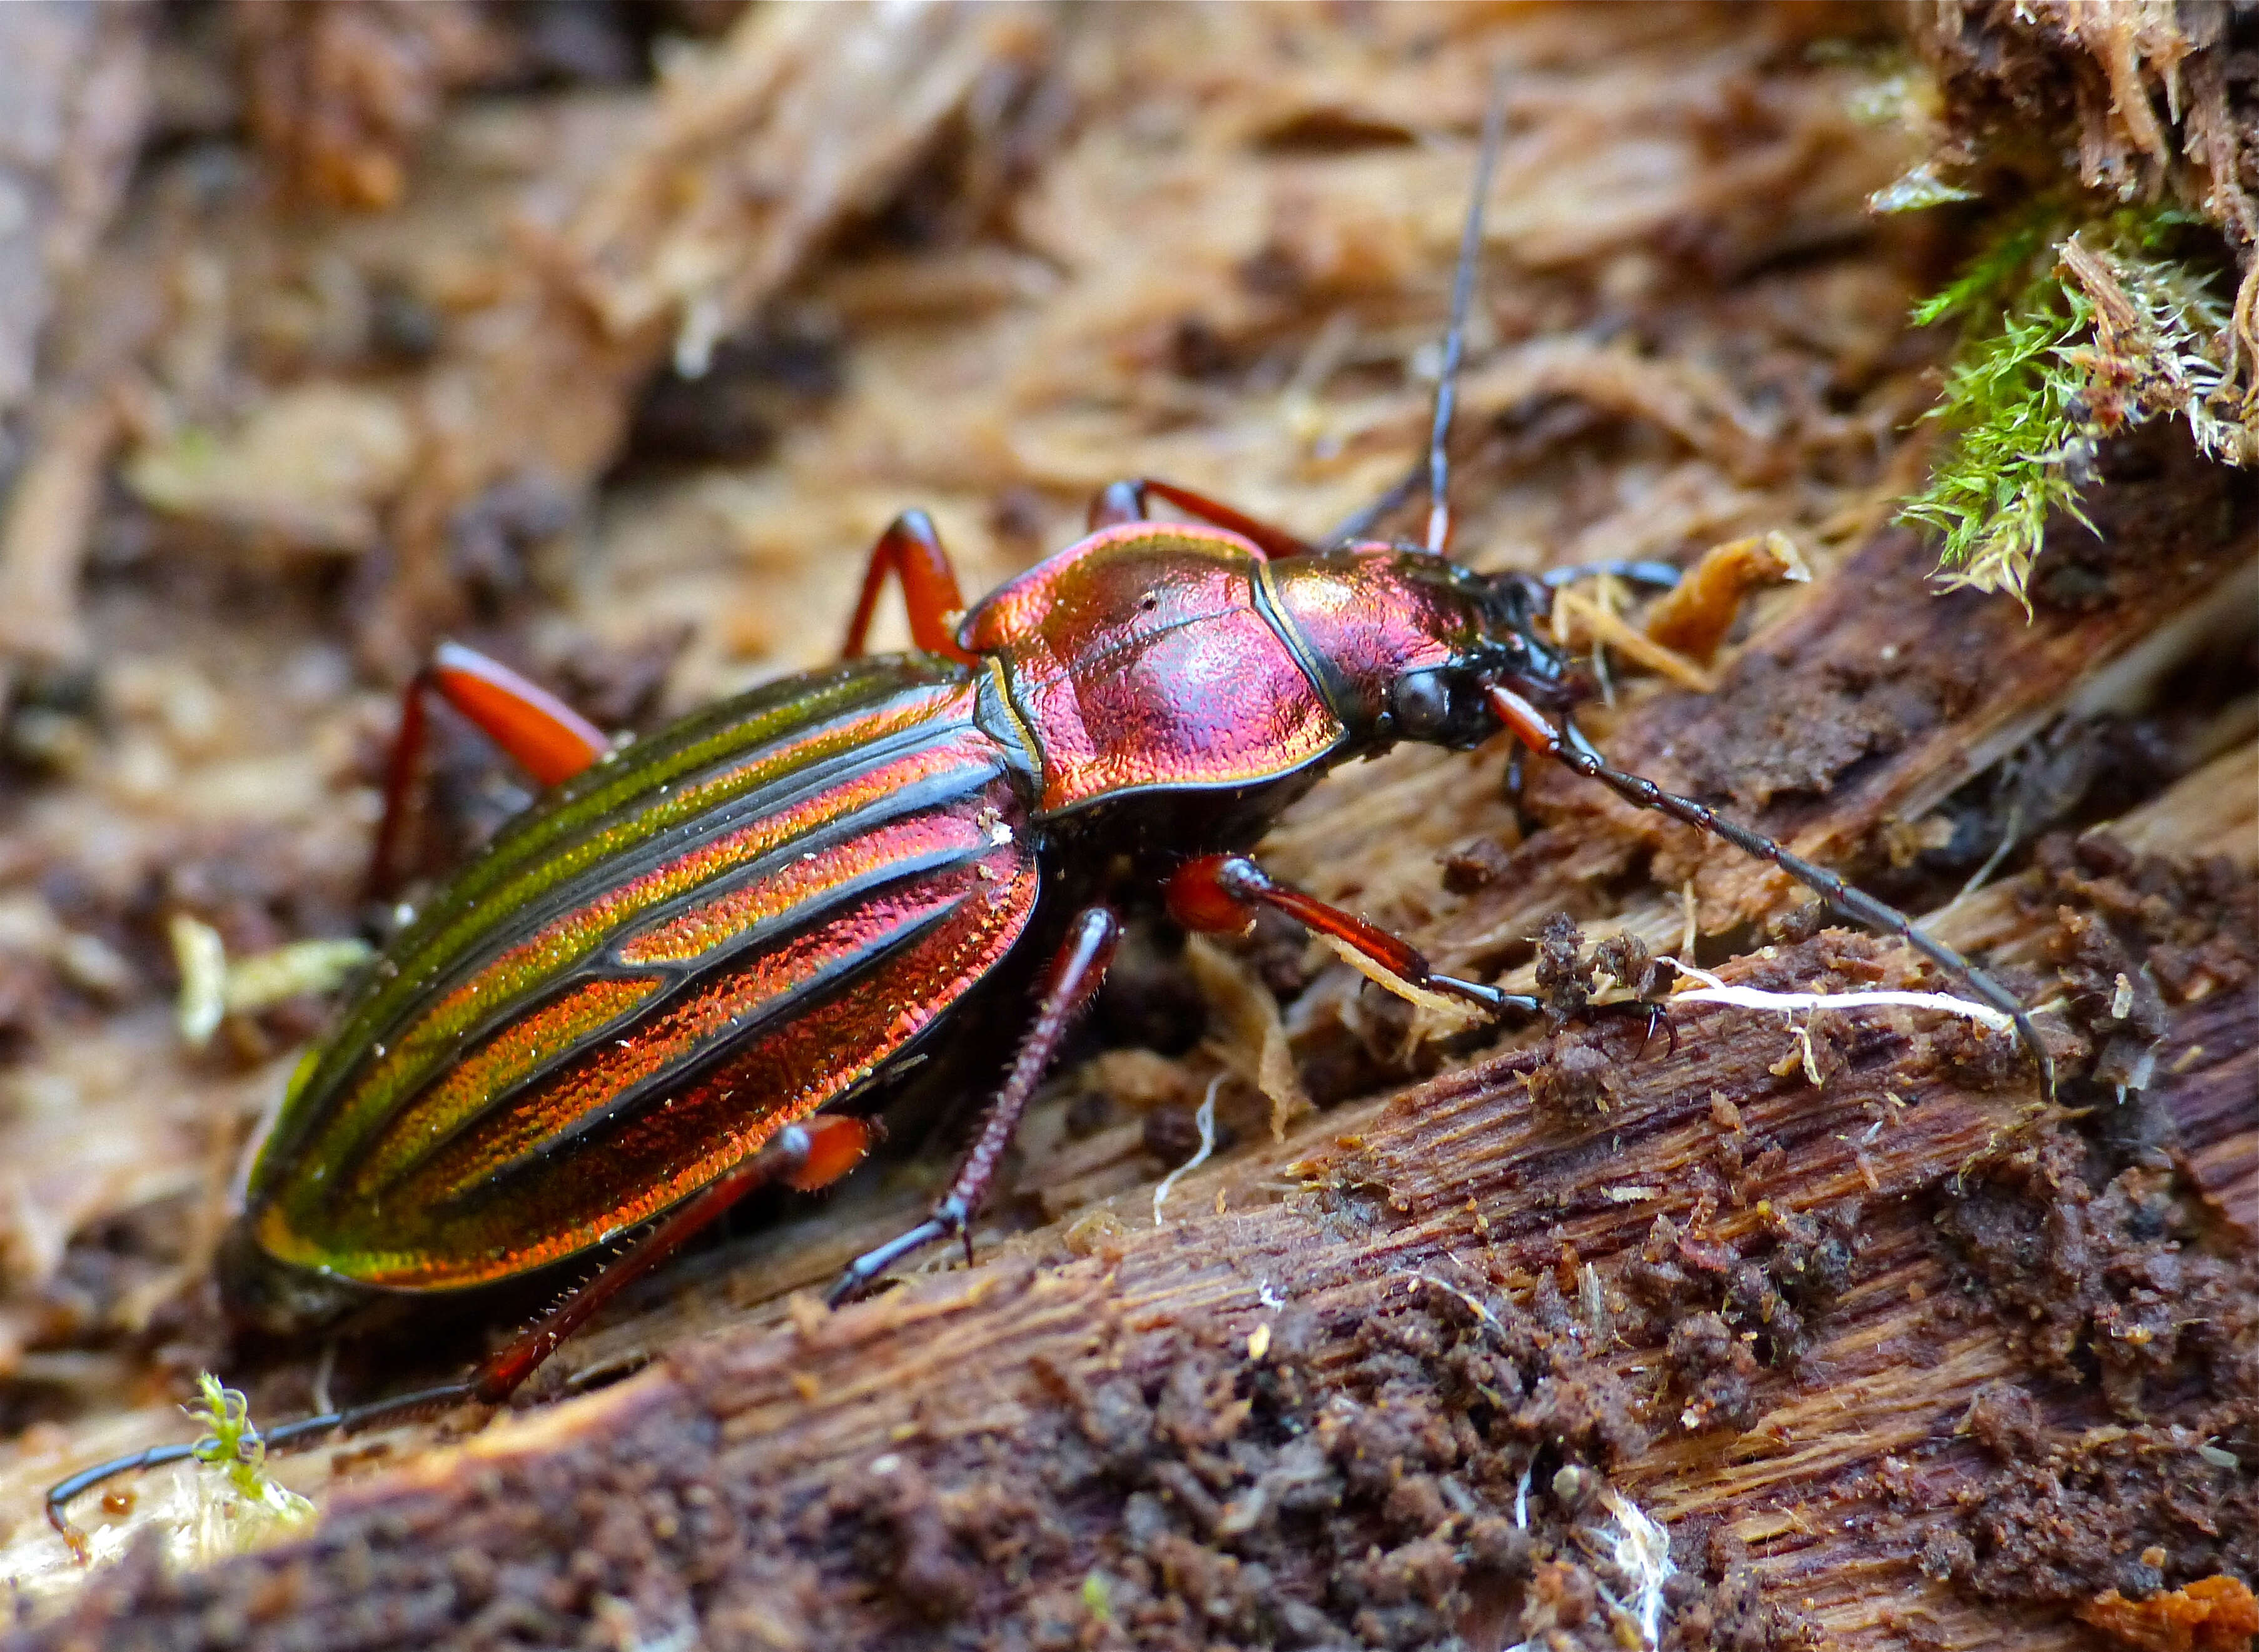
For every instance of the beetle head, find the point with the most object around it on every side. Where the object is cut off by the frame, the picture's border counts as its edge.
(1518, 657)
(1409, 641)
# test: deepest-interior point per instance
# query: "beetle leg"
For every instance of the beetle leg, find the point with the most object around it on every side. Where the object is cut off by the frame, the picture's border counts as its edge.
(807, 1156)
(1220, 893)
(1125, 501)
(911, 550)
(1076, 973)
(1572, 750)
(1117, 502)
(543, 734)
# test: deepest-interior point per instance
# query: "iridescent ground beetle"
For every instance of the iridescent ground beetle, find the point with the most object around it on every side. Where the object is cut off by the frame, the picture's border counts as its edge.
(695, 963)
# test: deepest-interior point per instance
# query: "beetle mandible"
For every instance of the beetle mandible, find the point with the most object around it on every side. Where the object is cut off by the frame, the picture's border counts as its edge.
(688, 968)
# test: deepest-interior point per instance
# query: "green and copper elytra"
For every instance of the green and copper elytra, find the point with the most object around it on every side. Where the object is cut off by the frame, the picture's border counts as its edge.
(697, 962)
(496, 1103)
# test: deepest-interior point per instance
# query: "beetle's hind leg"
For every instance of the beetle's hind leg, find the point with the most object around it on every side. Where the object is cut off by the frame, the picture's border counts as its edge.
(543, 734)
(808, 1154)
(814, 1153)
(1125, 501)
(1219, 894)
(1075, 977)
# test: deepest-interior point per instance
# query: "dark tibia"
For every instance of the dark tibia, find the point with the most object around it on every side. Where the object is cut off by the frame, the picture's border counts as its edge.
(1075, 976)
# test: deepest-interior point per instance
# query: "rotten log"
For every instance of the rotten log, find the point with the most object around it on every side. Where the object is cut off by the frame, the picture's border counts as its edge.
(1387, 1379)
(1882, 1362)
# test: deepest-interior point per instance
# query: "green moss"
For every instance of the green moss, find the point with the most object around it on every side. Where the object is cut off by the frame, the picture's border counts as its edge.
(2016, 452)
(232, 1446)
(2069, 333)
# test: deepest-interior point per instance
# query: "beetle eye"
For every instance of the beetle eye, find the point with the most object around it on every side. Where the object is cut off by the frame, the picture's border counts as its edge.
(1421, 700)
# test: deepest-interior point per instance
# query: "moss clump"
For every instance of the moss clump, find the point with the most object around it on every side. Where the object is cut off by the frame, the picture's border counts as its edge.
(2069, 335)
(253, 1507)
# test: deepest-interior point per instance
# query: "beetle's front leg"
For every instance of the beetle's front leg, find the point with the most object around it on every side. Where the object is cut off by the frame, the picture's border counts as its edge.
(1219, 894)
(1076, 974)
(911, 550)
(1568, 746)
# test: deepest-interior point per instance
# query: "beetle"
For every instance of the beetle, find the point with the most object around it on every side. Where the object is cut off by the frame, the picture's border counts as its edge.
(695, 964)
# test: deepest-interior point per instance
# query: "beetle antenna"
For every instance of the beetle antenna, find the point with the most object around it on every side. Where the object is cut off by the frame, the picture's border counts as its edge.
(1455, 338)
(1360, 525)
(1567, 746)
(352, 1420)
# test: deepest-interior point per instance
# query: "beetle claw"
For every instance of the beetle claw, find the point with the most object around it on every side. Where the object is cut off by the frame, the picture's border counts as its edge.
(1656, 1016)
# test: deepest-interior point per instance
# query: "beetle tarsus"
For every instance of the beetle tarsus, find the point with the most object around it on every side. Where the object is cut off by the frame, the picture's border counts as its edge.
(352, 1420)
(1496, 1001)
(1657, 1016)
(1219, 893)
(859, 1274)
(63, 1493)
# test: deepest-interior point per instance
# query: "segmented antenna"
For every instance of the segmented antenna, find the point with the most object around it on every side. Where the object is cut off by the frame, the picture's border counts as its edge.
(1455, 339)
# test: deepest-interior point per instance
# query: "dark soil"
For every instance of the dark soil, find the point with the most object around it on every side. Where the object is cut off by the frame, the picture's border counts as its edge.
(2129, 1459)
(1433, 1473)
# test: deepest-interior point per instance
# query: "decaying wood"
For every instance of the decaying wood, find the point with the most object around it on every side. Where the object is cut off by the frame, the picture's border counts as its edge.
(1380, 1380)
(738, 1483)
(73, 82)
(656, 226)
(659, 1493)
